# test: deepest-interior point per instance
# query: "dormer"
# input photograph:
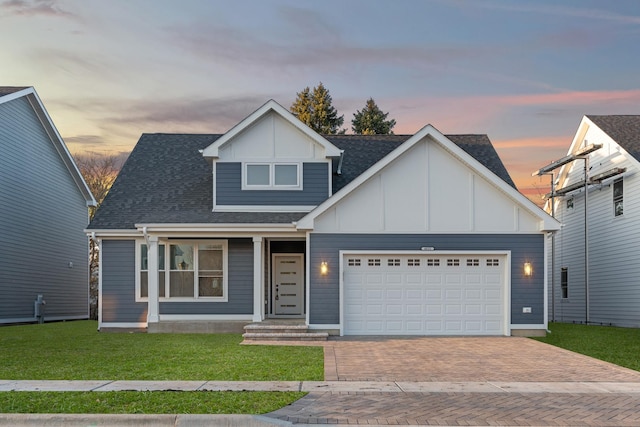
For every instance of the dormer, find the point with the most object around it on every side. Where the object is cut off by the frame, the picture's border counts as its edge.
(271, 162)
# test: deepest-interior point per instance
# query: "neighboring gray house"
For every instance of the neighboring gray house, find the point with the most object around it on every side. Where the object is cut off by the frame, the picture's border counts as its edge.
(43, 212)
(611, 295)
(419, 234)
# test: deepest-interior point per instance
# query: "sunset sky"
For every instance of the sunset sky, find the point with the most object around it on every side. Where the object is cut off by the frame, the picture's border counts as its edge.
(523, 72)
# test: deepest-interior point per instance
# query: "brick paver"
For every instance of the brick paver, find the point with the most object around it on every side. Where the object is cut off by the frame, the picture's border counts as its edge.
(466, 359)
(477, 409)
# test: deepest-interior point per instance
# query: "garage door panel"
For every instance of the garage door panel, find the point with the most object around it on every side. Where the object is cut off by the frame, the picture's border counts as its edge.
(424, 294)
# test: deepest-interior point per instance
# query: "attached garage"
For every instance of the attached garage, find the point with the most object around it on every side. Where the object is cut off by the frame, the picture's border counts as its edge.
(401, 293)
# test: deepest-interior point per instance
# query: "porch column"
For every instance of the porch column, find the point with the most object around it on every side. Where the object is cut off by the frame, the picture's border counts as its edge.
(152, 281)
(258, 279)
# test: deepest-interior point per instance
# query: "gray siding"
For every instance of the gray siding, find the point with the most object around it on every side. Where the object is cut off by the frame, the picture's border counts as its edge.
(525, 292)
(119, 283)
(118, 290)
(315, 183)
(614, 256)
(42, 217)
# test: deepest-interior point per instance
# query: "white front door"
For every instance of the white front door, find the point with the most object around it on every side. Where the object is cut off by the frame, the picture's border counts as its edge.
(288, 284)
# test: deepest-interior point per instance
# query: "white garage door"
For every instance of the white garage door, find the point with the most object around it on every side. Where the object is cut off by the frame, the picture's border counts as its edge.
(389, 294)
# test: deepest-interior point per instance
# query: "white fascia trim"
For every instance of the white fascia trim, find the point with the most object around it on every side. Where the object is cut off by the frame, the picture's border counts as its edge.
(112, 233)
(196, 317)
(58, 143)
(547, 222)
(15, 95)
(216, 228)
(271, 105)
(122, 325)
(263, 208)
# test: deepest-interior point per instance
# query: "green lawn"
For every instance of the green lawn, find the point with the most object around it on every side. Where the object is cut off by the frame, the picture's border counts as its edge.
(616, 345)
(76, 351)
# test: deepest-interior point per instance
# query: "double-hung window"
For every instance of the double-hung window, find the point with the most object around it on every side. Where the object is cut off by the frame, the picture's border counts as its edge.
(197, 270)
(272, 176)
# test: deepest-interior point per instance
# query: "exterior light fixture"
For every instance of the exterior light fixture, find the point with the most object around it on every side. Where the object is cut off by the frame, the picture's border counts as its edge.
(324, 268)
(528, 269)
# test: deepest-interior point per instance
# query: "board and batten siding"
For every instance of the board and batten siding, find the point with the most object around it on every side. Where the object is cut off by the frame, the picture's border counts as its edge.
(43, 249)
(118, 285)
(525, 292)
(614, 244)
(315, 187)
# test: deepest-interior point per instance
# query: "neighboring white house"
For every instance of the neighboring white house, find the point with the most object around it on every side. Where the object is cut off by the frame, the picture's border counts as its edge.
(43, 211)
(420, 234)
(602, 284)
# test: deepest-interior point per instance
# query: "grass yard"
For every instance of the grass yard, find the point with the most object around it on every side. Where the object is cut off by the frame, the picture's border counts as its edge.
(149, 402)
(616, 345)
(76, 351)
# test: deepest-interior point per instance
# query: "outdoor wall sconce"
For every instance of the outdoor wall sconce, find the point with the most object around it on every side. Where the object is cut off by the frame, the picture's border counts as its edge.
(324, 268)
(528, 269)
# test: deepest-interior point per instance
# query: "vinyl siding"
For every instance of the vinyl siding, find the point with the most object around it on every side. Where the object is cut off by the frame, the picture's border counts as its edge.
(525, 292)
(118, 283)
(118, 278)
(315, 182)
(614, 254)
(42, 217)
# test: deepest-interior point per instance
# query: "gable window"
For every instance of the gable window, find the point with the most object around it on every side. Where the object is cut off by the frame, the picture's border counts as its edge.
(564, 282)
(196, 271)
(618, 208)
(272, 176)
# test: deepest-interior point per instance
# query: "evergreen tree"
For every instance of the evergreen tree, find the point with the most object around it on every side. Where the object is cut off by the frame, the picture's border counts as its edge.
(315, 110)
(372, 121)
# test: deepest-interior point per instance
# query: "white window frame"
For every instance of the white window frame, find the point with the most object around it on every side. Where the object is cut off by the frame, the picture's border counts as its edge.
(272, 176)
(167, 248)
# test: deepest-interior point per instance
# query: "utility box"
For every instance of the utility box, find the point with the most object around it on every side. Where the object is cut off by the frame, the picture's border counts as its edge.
(39, 305)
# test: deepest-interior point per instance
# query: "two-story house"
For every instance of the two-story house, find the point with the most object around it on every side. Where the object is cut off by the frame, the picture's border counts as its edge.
(44, 201)
(419, 234)
(596, 261)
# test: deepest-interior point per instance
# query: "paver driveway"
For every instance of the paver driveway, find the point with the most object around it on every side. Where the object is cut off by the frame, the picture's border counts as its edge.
(541, 378)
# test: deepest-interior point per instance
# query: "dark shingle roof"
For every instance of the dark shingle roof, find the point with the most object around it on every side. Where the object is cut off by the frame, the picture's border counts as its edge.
(166, 179)
(7, 90)
(625, 130)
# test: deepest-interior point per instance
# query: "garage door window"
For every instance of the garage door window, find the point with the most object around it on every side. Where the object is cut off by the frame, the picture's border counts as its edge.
(433, 262)
(493, 262)
(473, 262)
(395, 262)
(373, 262)
(353, 262)
(453, 262)
(413, 262)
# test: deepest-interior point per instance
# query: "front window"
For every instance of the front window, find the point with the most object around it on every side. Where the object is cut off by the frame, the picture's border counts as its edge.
(564, 282)
(197, 270)
(272, 176)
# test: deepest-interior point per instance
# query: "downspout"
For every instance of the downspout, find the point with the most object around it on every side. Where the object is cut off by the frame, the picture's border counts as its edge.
(339, 170)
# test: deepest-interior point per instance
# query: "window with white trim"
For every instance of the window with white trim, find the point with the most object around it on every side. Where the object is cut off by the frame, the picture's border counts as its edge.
(196, 271)
(272, 176)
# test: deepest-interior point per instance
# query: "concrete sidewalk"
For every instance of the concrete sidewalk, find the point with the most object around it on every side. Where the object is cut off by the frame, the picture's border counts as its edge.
(328, 386)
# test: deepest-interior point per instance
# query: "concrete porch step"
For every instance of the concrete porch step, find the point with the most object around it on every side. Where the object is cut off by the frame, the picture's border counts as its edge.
(281, 331)
(285, 336)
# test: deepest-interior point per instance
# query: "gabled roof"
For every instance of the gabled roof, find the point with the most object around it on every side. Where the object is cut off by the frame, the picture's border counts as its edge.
(271, 105)
(474, 143)
(167, 181)
(623, 129)
(10, 93)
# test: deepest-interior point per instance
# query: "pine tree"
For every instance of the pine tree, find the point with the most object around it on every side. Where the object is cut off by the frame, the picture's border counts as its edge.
(372, 121)
(315, 110)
